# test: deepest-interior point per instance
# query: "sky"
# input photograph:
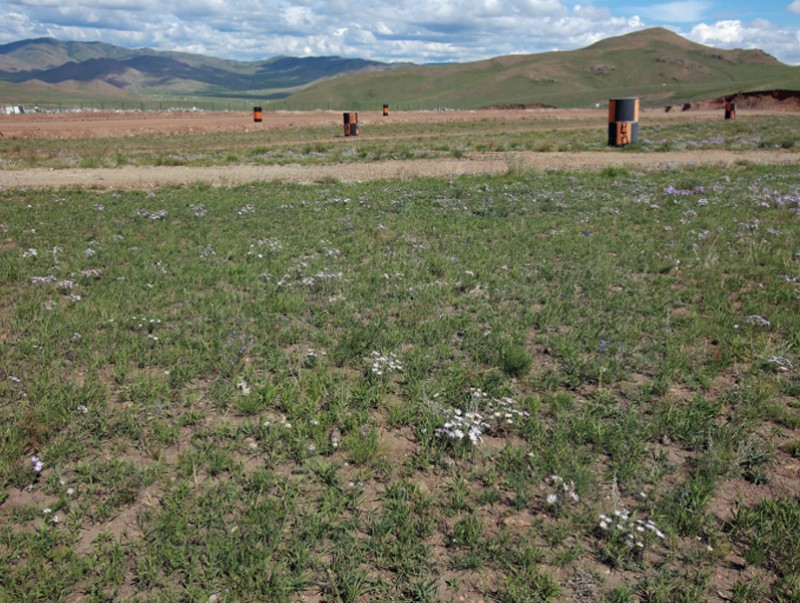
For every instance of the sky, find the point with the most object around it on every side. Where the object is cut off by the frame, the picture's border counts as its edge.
(419, 31)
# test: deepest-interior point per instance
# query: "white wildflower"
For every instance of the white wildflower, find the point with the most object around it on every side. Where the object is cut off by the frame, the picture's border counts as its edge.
(755, 319)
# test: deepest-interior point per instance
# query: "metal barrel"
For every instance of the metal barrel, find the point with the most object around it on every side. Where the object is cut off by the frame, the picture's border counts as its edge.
(350, 124)
(623, 121)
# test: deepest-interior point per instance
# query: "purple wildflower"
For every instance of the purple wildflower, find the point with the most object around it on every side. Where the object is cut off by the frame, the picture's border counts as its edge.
(38, 465)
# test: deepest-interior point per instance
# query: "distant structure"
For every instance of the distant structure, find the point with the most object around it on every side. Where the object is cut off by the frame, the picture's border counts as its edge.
(14, 110)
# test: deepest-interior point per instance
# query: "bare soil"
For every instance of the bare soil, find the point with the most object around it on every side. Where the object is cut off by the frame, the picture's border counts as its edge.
(91, 124)
(137, 124)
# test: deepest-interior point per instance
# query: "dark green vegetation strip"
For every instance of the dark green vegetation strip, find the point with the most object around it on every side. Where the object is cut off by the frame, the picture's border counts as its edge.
(267, 392)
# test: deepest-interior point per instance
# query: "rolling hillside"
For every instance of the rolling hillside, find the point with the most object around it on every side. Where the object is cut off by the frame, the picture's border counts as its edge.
(655, 64)
(95, 65)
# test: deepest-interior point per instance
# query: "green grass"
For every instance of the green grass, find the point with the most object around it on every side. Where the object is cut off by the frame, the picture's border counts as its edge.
(250, 393)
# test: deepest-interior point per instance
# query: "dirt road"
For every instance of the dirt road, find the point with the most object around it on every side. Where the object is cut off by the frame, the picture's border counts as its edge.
(496, 163)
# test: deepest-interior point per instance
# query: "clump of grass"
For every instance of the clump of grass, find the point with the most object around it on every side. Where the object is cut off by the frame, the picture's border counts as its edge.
(515, 360)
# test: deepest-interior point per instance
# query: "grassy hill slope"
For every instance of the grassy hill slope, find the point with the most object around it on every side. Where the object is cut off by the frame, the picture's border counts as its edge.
(655, 64)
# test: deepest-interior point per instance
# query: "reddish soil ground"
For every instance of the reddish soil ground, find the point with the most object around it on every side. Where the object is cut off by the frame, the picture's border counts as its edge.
(133, 123)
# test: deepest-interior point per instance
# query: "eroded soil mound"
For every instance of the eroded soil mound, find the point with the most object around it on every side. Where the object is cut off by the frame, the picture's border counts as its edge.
(770, 100)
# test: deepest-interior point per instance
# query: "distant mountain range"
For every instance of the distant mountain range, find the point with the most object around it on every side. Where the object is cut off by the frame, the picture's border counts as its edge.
(50, 61)
(655, 64)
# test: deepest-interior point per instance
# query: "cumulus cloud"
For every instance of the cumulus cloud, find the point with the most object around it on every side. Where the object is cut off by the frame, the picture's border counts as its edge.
(411, 30)
(722, 32)
(782, 42)
(416, 30)
(15, 26)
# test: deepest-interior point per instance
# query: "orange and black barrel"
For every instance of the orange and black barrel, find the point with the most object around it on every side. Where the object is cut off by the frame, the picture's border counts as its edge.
(623, 121)
(350, 124)
(258, 115)
(386, 110)
(730, 110)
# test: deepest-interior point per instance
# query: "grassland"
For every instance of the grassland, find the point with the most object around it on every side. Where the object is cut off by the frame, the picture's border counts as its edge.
(539, 387)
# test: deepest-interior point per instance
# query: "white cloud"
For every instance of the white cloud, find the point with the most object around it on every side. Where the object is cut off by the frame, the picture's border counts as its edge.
(410, 30)
(201, 8)
(635, 22)
(126, 5)
(16, 26)
(722, 32)
(300, 18)
(781, 42)
(22, 4)
(384, 30)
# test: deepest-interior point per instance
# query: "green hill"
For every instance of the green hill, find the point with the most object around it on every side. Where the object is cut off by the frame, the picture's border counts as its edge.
(655, 64)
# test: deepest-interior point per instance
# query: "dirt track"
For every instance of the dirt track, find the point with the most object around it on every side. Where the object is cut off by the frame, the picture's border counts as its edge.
(91, 125)
(151, 177)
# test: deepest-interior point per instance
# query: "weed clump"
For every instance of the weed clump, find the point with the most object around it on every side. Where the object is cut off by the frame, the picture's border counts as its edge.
(515, 360)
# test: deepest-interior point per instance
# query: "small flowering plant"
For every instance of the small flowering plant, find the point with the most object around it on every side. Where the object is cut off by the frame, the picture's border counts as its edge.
(625, 537)
(238, 343)
(246, 210)
(483, 415)
(37, 464)
(559, 493)
(198, 210)
(154, 216)
(262, 247)
(312, 357)
(380, 366)
(463, 426)
(778, 364)
(757, 320)
(504, 413)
